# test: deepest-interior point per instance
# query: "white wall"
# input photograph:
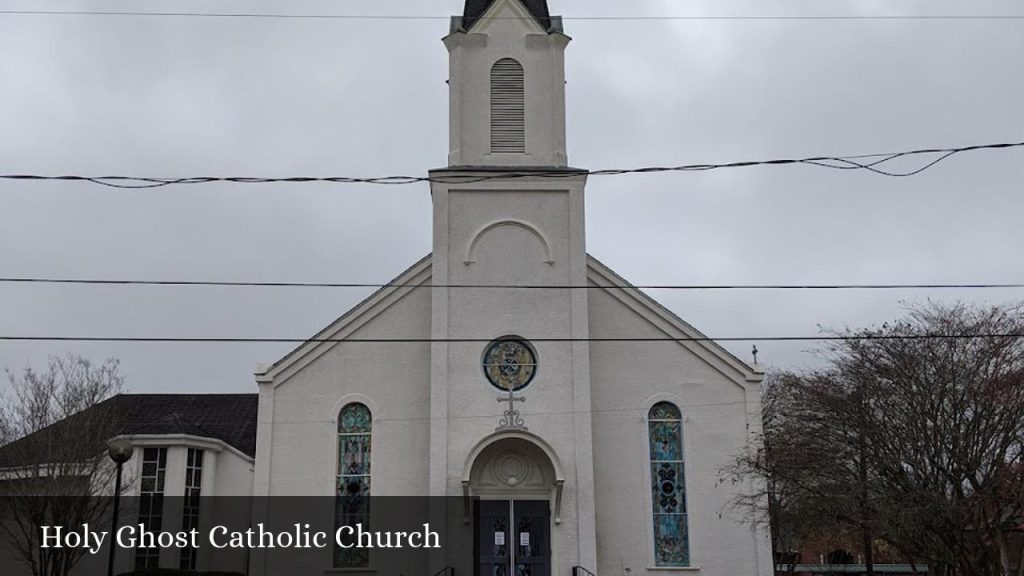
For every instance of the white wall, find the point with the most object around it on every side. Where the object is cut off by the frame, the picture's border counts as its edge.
(627, 379)
(232, 477)
(393, 380)
(539, 242)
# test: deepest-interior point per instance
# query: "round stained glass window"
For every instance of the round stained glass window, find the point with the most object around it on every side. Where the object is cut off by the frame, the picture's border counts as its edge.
(509, 363)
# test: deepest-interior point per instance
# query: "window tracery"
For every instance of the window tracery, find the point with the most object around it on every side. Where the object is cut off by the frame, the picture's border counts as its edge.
(668, 485)
(352, 486)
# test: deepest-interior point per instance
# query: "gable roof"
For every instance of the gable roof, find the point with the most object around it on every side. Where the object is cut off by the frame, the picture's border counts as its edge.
(672, 325)
(476, 8)
(230, 418)
(323, 340)
(664, 319)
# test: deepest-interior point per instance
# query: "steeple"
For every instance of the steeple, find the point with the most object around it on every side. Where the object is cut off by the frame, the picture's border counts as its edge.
(501, 219)
(506, 85)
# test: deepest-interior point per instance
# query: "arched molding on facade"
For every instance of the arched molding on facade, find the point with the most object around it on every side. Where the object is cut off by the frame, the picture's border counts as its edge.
(482, 445)
(347, 399)
(653, 399)
(545, 245)
(481, 456)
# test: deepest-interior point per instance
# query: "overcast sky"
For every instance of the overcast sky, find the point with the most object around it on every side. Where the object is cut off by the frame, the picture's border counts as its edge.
(176, 96)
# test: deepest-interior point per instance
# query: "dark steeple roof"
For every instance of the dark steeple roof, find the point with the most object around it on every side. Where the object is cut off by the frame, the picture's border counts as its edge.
(476, 8)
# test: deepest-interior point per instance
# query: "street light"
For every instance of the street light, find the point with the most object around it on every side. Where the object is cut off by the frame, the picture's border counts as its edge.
(119, 450)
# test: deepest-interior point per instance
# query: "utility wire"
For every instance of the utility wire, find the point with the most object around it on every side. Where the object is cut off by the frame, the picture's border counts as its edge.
(869, 162)
(633, 411)
(485, 340)
(240, 284)
(620, 18)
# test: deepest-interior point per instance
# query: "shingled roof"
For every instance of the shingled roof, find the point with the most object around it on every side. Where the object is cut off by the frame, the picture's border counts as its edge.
(230, 418)
(476, 8)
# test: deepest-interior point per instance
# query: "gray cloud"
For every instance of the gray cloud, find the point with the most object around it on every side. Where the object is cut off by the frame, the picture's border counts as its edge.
(188, 96)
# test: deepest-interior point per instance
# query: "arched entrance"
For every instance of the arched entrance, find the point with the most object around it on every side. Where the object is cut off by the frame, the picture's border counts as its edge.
(515, 483)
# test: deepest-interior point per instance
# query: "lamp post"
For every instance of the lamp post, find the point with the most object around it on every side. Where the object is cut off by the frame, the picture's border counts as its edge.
(119, 450)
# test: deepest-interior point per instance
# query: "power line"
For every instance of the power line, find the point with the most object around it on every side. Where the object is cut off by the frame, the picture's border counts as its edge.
(869, 162)
(820, 338)
(632, 411)
(614, 18)
(241, 284)
(596, 411)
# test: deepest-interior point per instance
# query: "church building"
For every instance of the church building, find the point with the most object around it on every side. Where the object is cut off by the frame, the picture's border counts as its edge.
(582, 424)
(584, 413)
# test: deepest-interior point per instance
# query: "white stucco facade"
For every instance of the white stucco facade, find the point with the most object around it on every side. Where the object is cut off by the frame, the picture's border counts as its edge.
(584, 443)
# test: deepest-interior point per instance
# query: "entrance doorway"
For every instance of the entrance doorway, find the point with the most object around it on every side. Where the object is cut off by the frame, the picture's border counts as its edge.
(513, 538)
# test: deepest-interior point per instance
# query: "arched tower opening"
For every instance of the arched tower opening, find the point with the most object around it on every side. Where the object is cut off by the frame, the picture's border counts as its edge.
(508, 107)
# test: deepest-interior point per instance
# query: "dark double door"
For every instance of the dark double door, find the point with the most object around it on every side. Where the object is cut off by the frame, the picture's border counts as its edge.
(513, 538)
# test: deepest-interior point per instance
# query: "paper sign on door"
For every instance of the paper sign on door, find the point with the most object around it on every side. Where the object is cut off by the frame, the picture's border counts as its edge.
(499, 538)
(524, 538)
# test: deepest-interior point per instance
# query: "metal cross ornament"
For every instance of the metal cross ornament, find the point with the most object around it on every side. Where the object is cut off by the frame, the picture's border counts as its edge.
(511, 420)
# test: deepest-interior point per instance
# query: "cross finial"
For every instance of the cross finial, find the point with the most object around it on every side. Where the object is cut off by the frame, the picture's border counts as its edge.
(511, 420)
(755, 354)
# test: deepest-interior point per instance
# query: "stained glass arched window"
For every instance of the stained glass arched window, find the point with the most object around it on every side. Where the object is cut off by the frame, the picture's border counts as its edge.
(668, 485)
(353, 479)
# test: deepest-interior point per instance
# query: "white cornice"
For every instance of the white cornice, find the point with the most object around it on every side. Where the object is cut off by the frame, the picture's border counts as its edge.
(672, 325)
(663, 319)
(189, 440)
(348, 323)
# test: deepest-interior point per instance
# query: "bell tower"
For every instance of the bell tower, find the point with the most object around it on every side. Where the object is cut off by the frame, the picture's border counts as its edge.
(507, 85)
(509, 219)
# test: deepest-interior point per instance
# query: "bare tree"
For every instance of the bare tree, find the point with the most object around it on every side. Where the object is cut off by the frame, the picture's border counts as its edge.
(913, 436)
(53, 464)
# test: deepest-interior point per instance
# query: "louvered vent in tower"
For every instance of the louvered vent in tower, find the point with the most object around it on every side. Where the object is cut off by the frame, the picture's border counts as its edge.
(508, 115)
